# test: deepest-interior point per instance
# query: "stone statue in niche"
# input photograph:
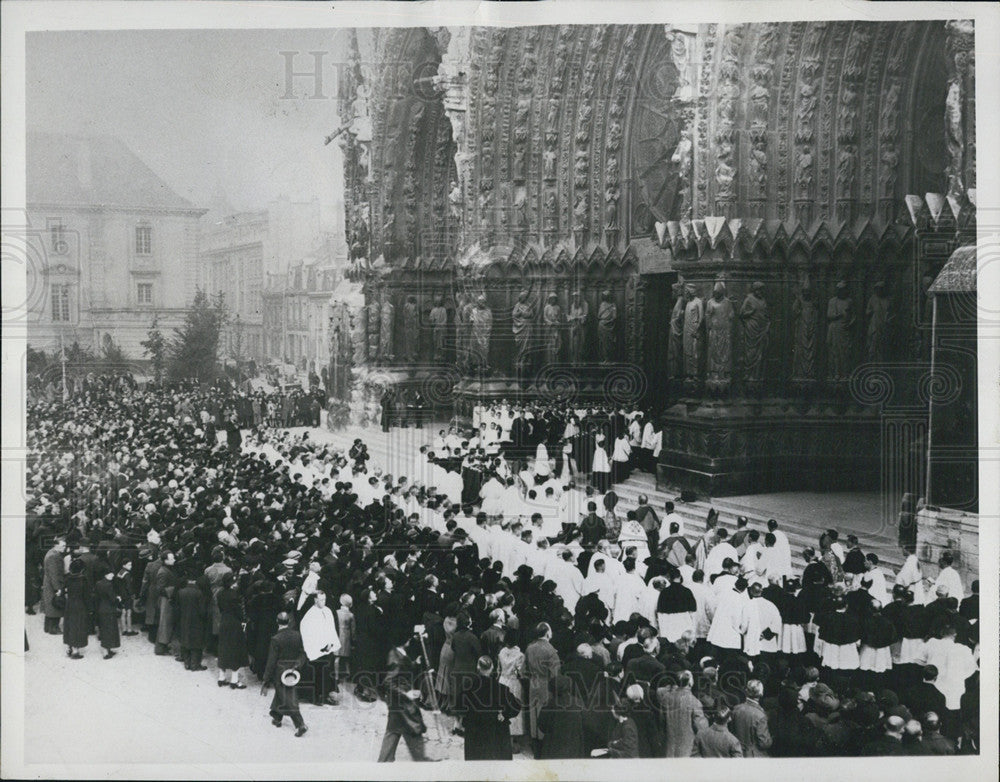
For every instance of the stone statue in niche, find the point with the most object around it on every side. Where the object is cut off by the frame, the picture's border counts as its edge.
(755, 324)
(803, 171)
(481, 322)
(804, 336)
(463, 323)
(439, 327)
(719, 314)
(522, 320)
(579, 311)
(879, 315)
(839, 326)
(549, 163)
(552, 117)
(411, 329)
(387, 324)
(553, 325)
(518, 166)
(455, 201)
(607, 325)
(675, 343)
(694, 314)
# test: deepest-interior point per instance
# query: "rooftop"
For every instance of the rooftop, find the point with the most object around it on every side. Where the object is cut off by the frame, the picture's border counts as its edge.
(75, 170)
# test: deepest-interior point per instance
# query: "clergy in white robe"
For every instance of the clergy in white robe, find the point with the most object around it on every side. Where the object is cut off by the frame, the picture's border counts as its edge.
(955, 663)
(912, 578)
(705, 602)
(949, 578)
(319, 632)
(567, 577)
(719, 553)
(628, 596)
(875, 578)
(782, 545)
(768, 619)
(598, 580)
(491, 493)
(733, 620)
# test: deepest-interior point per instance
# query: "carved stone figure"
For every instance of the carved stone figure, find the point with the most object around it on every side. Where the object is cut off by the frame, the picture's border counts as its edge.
(719, 313)
(879, 316)
(804, 336)
(439, 327)
(839, 325)
(549, 163)
(553, 325)
(756, 325)
(388, 322)
(694, 314)
(607, 325)
(579, 311)
(455, 201)
(522, 319)
(481, 320)
(675, 344)
(411, 329)
(463, 333)
(804, 171)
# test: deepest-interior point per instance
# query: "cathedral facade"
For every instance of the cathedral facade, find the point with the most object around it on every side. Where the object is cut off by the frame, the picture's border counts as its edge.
(734, 226)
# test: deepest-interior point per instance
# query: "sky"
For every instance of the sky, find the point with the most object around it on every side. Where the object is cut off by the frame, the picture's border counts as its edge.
(206, 110)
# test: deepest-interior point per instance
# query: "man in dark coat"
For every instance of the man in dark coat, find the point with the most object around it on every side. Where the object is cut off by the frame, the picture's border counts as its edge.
(925, 697)
(890, 742)
(402, 696)
(560, 722)
(488, 707)
(192, 622)
(53, 578)
(286, 654)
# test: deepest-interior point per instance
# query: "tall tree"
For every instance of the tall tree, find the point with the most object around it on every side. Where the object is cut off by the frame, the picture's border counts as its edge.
(194, 353)
(156, 346)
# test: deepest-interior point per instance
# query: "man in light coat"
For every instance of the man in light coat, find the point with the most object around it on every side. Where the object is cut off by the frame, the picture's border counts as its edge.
(750, 722)
(684, 716)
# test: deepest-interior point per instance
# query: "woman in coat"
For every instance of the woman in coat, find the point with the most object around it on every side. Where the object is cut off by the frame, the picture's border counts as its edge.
(76, 620)
(368, 624)
(510, 662)
(232, 638)
(446, 663)
(263, 608)
(561, 722)
(467, 650)
(107, 614)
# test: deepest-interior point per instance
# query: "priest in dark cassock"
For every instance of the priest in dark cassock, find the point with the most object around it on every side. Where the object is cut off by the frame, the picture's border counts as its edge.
(488, 708)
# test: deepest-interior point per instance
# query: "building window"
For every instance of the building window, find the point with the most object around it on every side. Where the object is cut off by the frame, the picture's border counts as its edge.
(57, 239)
(144, 293)
(143, 239)
(60, 303)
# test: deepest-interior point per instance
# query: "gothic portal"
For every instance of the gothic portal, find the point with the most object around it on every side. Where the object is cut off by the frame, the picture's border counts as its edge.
(734, 226)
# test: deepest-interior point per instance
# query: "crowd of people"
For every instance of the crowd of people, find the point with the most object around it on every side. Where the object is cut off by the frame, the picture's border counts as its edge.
(499, 583)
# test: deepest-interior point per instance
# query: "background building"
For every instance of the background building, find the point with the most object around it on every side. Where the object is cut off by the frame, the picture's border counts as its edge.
(240, 252)
(113, 245)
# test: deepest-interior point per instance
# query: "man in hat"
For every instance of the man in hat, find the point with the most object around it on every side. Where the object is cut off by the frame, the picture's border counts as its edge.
(285, 654)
